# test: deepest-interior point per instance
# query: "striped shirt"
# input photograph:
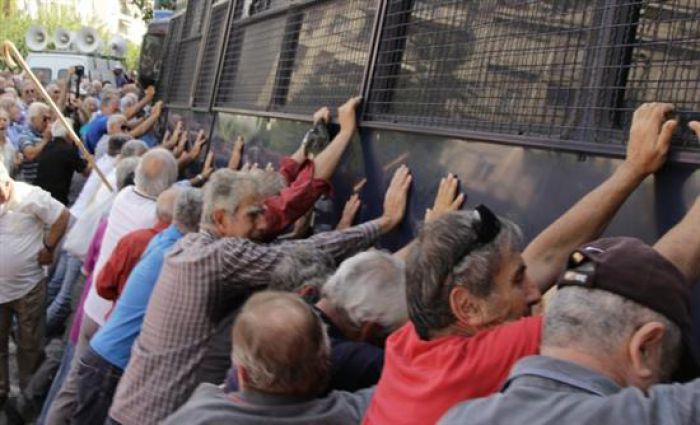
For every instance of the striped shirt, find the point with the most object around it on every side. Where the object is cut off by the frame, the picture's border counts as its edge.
(202, 280)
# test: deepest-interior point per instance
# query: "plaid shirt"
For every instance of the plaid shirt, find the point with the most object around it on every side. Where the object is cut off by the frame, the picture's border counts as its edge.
(203, 278)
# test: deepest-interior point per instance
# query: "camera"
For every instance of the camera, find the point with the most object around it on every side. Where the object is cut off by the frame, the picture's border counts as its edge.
(80, 71)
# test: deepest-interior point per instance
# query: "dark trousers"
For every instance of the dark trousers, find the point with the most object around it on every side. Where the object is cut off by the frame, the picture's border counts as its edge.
(97, 382)
(30, 313)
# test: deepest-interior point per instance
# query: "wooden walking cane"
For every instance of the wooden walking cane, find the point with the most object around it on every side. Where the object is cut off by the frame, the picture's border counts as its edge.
(12, 58)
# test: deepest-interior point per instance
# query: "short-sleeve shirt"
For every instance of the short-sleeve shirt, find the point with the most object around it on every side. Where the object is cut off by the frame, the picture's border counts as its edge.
(421, 379)
(57, 163)
(96, 129)
(28, 169)
(23, 220)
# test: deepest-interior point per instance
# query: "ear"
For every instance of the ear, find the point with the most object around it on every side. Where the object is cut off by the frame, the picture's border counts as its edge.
(242, 377)
(465, 307)
(218, 217)
(645, 349)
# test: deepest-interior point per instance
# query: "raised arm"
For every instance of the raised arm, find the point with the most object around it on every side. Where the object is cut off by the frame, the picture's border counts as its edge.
(650, 137)
(149, 122)
(134, 109)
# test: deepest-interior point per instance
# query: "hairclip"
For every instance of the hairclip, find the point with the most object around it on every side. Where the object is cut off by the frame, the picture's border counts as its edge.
(487, 226)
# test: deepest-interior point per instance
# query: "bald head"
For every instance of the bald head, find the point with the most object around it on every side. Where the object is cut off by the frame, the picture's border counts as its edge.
(156, 172)
(280, 346)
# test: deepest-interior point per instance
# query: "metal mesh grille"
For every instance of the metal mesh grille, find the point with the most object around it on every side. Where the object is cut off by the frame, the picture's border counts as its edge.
(247, 8)
(554, 68)
(181, 84)
(210, 57)
(194, 17)
(324, 55)
(170, 51)
(250, 65)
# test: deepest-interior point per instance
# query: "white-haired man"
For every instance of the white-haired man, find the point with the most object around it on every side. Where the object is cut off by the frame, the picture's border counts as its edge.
(25, 212)
(217, 269)
(283, 363)
(34, 138)
(133, 208)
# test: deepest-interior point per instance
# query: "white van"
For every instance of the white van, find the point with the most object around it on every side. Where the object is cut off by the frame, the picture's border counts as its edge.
(52, 66)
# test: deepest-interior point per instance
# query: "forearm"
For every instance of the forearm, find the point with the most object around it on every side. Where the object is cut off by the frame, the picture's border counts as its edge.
(341, 244)
(32, 152)
(681, 244)
(327, 161)
(586, 220)
(58, 228)
(142, 128)
(133, 110)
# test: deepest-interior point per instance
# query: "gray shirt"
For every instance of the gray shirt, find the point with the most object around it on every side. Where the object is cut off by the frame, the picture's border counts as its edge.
(210, 406)
(545, 391)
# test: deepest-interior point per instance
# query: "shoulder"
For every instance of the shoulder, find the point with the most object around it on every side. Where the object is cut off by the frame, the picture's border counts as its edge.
(355, 403)
(206, 401)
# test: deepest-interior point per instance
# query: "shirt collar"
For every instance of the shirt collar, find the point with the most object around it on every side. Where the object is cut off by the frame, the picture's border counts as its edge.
(563, 372)
(259, 398)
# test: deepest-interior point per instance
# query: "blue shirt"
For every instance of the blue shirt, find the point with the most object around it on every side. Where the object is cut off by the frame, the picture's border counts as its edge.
(547, 391)
(114, 340)
(96, 129)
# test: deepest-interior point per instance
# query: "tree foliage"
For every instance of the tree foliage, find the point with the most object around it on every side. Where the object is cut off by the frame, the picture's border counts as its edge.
(146, 7)
(14, 26)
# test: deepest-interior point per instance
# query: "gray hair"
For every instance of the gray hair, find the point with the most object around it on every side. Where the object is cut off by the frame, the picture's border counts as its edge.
(36, 109)
(302, 266)
(596, 322)
(125, 170)
(109, 99)
(156, 172)
(287, 352)
(271, 182)
(113, 119)
(370, 287)
(188, 209)
(134, 147)
(225, 190)
(116, 142)
(58, 130)
(127, 101)
(446, 254)
(165, 204)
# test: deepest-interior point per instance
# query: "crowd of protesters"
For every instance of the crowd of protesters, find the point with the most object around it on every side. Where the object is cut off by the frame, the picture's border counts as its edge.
(205, 300)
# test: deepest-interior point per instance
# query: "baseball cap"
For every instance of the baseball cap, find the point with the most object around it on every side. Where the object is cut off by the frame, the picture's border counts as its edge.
(635, 271)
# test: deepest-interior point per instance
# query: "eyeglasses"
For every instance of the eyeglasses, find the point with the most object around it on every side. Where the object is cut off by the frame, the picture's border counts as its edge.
(125, 127)
(47, 118)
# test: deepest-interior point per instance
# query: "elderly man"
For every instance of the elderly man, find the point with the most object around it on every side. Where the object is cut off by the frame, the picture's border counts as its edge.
(25, 212)
(117, 123)
(97, 127)
(28, 95)
(282, 354)
(106, 164)
(469, 286)
(110, 348)
(133, 208)
(217, 269)
(33, 140)
(57, 162)
(612, 333)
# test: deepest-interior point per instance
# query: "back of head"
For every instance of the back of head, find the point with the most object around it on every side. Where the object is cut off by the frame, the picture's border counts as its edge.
(115, 120)
(225, 190)
(188, 210)
(600, 323)
(369, 288)
(448, 253)
(125, 170)
(110, 102)
(59, 131)
(115, 143)
(127, 101)
(165, 204)
(281, 346)
(156, 172)
(133, 147)
(302, 267)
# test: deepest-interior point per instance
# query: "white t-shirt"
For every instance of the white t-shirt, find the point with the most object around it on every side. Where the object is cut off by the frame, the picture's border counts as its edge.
(130, 211)
(7, 155)
(87, 195)
(23, 220)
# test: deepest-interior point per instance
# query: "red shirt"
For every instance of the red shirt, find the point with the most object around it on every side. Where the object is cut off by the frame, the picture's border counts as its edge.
(421, 380)
(126, 255)
(294, 200)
